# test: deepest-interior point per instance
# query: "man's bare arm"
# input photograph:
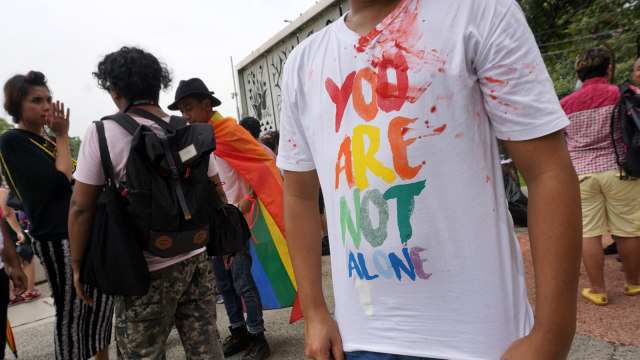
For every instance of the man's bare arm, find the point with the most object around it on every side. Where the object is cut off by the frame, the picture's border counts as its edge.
(555, 232)
(302, 229)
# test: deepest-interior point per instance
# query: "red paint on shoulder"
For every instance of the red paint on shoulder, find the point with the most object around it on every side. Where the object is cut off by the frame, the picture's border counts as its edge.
(487, 179)
(458, 135)
(433, 109)
(494, 81)
(440, 129)
(493, 97)
(441, 70)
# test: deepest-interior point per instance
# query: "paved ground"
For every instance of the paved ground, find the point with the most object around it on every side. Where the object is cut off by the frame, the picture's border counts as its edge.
(33, 329)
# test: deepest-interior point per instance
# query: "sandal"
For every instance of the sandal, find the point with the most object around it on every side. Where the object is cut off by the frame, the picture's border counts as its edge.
(631, 290)
(598, 299)
(32, 295)
(16, 299)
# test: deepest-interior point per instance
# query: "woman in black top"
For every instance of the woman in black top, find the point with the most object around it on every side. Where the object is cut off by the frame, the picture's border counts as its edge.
(38, 169)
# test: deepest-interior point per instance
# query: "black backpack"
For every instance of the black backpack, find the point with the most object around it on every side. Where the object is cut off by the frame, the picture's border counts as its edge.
(628, 110)
(167, 192)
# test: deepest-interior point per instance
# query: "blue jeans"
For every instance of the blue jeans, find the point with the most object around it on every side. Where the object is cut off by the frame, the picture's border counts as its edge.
(368, 355)
(235, 283)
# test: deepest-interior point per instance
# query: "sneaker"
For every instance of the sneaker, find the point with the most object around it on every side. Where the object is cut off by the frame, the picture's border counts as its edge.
(16, 299)
(258, 348)
(28, 297)
(236, 342)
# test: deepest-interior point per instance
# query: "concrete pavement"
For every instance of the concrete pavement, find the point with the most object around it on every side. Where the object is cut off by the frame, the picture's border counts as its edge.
(33, 325)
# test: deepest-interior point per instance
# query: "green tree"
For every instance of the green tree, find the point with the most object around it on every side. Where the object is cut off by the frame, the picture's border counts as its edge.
(5, 125)
(74, 146)
(563, 28)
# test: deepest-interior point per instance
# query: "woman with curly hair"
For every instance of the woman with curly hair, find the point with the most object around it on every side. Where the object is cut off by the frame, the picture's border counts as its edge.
(182, 290)
(38, 169)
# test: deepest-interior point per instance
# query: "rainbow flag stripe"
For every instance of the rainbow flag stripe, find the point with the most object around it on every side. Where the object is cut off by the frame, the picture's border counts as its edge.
(272, 269)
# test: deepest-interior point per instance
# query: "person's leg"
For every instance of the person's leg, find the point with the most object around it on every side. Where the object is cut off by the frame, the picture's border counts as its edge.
(81, 331)
(629, 251)
(593, 226)
(246, 287)
(143, 323)
(30, 271)
(195, 315)
(239, 338)
(4, 303)
(232, 301)
(593, 259)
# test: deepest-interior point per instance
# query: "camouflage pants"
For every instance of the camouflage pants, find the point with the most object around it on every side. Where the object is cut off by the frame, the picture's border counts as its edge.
(182, 294)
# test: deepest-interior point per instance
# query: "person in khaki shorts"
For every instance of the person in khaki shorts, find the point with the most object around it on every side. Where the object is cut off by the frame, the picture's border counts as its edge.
(610, 201)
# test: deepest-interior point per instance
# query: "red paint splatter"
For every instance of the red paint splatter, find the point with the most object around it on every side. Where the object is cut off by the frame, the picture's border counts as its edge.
(424, 163)
(487, 179)
(433, 109)
(507, 105)
(295, 145)
(493, 97)
(494, 81)
(508, 139)
(440, 129)
(310, 74)
(297, 162)
(405, 130)
(492, 91)
(289, 140)
(441, 70)
(458, 135)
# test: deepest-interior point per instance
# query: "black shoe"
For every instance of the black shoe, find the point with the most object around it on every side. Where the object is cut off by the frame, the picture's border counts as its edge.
(611, 249)
(258, 348)
(236, 342)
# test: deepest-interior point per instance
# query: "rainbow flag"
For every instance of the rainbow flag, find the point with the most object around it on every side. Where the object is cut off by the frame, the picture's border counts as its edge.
(271, 268)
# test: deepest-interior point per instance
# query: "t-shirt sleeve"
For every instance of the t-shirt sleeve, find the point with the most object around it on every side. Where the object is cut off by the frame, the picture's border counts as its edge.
(213, 166)
(89, 167)
(299, 157)
(518, 93)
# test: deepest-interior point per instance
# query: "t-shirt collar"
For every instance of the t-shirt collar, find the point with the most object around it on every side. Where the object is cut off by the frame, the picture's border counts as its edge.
(593, 81)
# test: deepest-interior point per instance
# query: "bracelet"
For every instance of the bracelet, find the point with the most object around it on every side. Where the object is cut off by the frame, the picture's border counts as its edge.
(218, 183)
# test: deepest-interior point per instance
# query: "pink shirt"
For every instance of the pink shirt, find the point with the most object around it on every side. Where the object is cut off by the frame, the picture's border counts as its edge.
(89, 170)
(589, 134)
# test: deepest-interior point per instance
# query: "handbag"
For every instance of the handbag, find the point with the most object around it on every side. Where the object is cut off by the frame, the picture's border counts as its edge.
(25, 249)
(229, 230)
(113, 261)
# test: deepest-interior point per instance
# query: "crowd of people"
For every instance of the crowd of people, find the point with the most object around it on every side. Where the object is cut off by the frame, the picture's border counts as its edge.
(393, 157)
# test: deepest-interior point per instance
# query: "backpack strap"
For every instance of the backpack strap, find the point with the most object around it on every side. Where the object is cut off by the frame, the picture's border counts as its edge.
(175, 176)
(125, 121)
(105, 156)
(149, 116)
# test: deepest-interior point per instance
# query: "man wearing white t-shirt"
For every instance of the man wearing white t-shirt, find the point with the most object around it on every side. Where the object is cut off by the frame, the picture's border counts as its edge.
(393, 110)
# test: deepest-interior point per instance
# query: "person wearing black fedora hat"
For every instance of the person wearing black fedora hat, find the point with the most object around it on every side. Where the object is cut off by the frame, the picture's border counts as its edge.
(235, 281)
(195, 88)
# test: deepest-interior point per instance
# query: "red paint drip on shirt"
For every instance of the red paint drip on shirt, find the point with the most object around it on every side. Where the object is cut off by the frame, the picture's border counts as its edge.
(440, 129)
(494, 81)
(433, 109)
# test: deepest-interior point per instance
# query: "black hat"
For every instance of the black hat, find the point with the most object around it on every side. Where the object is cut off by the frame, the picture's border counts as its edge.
(192, 87)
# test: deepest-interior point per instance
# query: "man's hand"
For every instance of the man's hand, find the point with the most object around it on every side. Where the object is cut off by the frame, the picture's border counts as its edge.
(533, 347)
(322, 338)
(18, 278)
(80, 287)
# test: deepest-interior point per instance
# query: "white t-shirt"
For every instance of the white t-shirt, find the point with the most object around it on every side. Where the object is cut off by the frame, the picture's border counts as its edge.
(89, 170)
(400, 126)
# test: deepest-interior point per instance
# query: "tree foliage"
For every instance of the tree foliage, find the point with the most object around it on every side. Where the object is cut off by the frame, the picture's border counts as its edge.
(5, 125)
(563, 28)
